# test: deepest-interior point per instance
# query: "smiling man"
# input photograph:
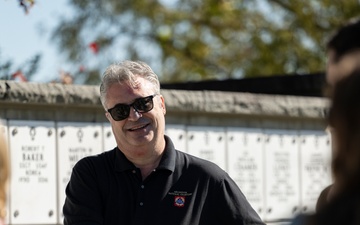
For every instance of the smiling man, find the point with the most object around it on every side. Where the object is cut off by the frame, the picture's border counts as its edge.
(145, 180)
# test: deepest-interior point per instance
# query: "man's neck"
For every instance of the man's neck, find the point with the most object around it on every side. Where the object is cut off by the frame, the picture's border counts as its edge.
(147, 166)
(146, 158)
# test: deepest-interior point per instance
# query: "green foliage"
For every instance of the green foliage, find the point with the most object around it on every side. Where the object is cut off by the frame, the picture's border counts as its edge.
(28, 68)
(5, 67)
(203, 39)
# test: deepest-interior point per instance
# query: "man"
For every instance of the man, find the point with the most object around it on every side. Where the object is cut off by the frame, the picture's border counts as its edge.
(145, 180)
(343, 51)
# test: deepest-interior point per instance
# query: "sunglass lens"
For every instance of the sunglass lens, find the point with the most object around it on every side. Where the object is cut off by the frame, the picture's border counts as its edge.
(120, 112)
(144, 104)
(141, 105)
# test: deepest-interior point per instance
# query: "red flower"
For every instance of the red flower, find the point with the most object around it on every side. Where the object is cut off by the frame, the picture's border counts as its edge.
(20, 75)
(94, 47)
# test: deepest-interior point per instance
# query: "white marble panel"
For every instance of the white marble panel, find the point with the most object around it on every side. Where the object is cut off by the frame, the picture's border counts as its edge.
(177, 133)
(245, 163)
(282, 188)
(108, 137)
(75, 141)
(315, 166)
(208, 143)
(33, 172)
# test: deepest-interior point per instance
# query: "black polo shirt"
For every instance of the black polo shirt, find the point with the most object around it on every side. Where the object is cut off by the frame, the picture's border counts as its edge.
(184, 190)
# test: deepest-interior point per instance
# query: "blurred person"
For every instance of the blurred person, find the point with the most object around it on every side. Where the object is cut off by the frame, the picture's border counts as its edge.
(4, 175)
(343, 53)
(66, 77)
(145, 180)
(344, 205)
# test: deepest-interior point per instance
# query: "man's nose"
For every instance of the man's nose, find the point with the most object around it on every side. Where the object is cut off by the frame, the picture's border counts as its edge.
(134, 114)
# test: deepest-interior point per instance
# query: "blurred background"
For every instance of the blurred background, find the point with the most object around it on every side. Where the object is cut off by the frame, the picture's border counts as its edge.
(183, 40)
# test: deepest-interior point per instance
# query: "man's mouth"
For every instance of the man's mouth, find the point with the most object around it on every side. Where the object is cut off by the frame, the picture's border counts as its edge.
(142, 126)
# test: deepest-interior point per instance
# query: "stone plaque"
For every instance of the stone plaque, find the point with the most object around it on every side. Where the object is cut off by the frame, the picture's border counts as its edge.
(207, 143)
(108, 137)
(177, 133)
(75, 141)
(315, 165)
(282, 194)
(33, 172)
(245, 163)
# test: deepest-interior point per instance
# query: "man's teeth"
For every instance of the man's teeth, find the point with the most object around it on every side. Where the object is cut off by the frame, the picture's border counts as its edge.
(140, 127)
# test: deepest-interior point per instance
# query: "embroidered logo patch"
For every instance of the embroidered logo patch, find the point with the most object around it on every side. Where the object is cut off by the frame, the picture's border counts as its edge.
(179, 197)
(179, 201)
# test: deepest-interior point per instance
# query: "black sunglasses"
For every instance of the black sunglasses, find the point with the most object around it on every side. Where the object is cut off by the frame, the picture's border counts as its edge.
(141, 105)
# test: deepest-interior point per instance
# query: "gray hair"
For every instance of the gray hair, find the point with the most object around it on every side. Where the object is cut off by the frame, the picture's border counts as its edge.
(127, 71)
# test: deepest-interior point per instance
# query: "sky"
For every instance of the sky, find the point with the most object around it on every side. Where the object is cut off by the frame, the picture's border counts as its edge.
(24, 35)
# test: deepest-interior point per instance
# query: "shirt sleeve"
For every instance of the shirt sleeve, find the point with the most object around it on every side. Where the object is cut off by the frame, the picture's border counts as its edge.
(233, 207)
(83, 201)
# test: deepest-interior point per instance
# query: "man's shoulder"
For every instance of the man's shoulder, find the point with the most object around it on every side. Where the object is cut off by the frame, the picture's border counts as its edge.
(201, 166)
(97, 159)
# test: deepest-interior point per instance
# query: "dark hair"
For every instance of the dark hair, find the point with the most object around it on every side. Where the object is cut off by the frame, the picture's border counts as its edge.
(346, 39)
(344, 117)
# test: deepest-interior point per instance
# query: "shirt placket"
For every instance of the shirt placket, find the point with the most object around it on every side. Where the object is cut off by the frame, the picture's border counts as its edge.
(141, 203)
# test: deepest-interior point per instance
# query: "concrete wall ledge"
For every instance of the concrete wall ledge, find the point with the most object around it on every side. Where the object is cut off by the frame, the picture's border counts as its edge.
(52, 95)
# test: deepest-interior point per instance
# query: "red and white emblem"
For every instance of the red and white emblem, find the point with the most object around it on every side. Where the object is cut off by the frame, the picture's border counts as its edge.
(179, 201)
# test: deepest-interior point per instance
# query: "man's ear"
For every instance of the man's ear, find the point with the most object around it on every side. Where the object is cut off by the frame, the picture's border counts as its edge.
(163, 104)
(108, 116)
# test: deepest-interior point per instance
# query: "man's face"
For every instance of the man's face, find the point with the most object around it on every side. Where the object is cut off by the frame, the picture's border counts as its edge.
(140, 134)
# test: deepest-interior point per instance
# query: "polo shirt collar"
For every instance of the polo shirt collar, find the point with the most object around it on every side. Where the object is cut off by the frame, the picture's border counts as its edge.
(167, 162)
(121, 162)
